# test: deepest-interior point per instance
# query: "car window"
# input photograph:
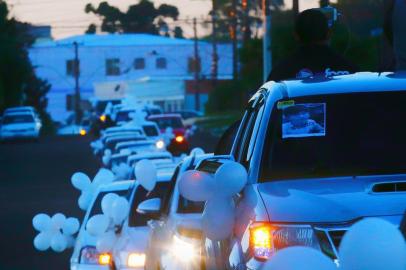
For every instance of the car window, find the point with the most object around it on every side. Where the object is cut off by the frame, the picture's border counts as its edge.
(141, 194)
(17, 119)
(336, 135)
(165, 122)
(150, 130)
(169, 194)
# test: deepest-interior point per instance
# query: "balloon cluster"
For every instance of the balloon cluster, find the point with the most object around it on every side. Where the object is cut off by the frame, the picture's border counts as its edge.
(55, 232)
(217, 192)
(115, 210)
(87, 187)
(146, 174)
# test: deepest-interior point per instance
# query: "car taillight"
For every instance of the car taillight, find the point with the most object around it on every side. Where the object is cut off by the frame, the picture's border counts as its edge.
(89, 255)
(179, 139)
(261, 241)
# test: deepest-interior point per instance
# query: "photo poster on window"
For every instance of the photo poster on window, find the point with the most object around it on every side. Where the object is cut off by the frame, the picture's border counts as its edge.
(303, 120)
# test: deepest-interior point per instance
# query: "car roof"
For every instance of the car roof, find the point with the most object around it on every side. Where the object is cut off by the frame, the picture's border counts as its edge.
(353, 83)
(19, 113)
(117, 185)
(165, 115)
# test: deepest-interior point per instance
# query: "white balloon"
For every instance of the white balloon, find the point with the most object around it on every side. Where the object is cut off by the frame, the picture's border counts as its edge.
(107, 203)
(373, 244)
(103, 176)
(71, 226)
(197, 151)
(84, 200)
(119, 210)
(58, 220)
(80, 181)
(230, 179)
(41, 222)
(106, 242)
(196, 186)
(146, 174)
(300, 258)
(42, 241)
(218, 218)
(97, 225)
(106, 160)
(122, 171)
(58, 243)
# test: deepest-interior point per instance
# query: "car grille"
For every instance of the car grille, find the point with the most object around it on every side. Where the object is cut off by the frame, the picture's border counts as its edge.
(336, 237)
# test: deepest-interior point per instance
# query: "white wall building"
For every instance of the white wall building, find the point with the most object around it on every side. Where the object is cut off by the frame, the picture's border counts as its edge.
(122, 57)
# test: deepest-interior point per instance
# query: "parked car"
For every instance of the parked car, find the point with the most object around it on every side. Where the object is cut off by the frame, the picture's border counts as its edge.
(176, 238)
(179, 143)
(321, 154)
(19, 125)
(85, 255)
(130, 249)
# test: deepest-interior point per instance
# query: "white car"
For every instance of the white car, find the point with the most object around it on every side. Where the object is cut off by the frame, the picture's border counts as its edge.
(25, 109)
(19, 125)
(176, 239)
(85, 256)
(130, 248)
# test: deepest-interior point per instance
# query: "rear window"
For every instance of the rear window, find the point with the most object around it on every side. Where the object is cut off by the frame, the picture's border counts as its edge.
(172, 122)
(150, 131)
(141, 194)
(16, 119)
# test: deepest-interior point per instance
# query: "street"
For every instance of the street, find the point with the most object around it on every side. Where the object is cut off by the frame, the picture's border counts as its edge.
(35, 178)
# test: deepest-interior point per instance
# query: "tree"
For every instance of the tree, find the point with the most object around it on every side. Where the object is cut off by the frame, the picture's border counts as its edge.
(18, 82)
(143, 17)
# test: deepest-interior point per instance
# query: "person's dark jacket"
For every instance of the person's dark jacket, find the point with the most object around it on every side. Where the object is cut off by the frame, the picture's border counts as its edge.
(311, 60)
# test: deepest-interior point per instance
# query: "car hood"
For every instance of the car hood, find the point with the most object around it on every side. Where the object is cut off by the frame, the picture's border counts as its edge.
(332, 200)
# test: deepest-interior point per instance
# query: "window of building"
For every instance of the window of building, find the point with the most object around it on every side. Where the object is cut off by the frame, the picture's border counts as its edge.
(113, 67)
(194, 65)
(70, 67)
(161, 63)
(139, 63)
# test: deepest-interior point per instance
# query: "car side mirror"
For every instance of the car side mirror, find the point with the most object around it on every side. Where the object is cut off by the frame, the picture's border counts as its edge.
(150, 208)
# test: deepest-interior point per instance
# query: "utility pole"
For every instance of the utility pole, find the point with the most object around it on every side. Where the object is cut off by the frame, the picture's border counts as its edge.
(196, 64)
(295, 7)
(234, 38)
(267, 54)
(214, 43)
(76, 71)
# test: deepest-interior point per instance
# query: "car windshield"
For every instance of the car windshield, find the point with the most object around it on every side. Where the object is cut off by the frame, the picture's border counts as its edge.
(15, 119)
(150, 131)
(337, 135)
(96, 207)
(165, 122)
(136, 219)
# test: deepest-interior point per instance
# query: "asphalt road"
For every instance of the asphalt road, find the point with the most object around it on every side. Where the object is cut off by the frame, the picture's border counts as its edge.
(35, 178)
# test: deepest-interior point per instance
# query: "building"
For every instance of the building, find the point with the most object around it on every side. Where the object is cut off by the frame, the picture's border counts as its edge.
(144, 62)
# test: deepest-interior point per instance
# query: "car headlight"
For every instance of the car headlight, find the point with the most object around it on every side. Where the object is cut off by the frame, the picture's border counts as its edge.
(136, 260)
(183, 251)
(89, 255)
(266, 238)
(82, 132)
(103, 118)
(160, 144)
